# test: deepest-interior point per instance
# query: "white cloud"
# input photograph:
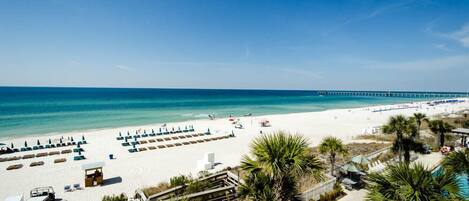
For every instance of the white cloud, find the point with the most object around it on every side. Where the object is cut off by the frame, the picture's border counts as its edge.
(461, 35)
(124, 67)
(374, 13)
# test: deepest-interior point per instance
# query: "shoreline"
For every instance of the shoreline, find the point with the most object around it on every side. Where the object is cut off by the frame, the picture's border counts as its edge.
(148, 168)
(132, 127)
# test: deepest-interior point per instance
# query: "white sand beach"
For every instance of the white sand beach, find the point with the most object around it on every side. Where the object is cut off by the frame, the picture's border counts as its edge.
(130, 171)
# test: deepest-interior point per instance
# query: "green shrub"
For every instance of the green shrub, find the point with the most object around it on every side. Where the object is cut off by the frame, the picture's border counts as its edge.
(121, 197)
(179, 180)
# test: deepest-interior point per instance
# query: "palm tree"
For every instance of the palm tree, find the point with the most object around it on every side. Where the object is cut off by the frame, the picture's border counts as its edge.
(398, 125)
(332, 146)
(440, 128)
(419, 118)
(402, 182)
(257, 186)
(282, 158)
(457, 162)
(408, 144)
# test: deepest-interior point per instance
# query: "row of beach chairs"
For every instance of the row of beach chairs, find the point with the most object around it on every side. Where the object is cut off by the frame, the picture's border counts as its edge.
(163, 139)
(153, 133)
(34, 164)
(134, 149)
(48, 146)
(38, 155)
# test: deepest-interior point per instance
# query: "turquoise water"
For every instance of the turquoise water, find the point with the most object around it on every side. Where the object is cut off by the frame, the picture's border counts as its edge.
(40, 110)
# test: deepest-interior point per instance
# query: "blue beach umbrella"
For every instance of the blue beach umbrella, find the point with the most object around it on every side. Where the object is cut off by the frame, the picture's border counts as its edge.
(38, 143)
(12, 146)
(71, 139)
(125, 139)
(79, 152)
(173, 128)
(25, 144)
(160, 130)
(186, 128)
(83, 137)
(120, 134)
(50, 141)
(78, 145)
(60, 141)
(152, 131)
(128, 133)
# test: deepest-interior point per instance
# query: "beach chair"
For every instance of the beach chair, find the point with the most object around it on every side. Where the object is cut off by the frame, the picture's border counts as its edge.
(14, 167)
(48, 146)
(76, 186)
(152, 134)
(67, 188)
(119, 138)
(133, 150)
(125, 144)
(78, 158)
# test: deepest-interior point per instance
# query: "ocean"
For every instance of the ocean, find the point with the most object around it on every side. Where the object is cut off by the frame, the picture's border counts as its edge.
(44, 110)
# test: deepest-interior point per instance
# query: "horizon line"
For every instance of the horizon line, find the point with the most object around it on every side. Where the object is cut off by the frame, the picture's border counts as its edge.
(247, 89)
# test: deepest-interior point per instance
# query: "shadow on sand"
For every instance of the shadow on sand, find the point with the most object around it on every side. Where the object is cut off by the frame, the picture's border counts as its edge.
(111, 181)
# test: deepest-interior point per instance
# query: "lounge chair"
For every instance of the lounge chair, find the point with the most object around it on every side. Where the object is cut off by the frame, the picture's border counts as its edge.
(28, 156)
(125, 144)
(119, 138)
(48, 146)
(151, 147)
(78, 150)
(77, 186)
(159, 140)
(188, 136)
(151, 141)
(79, 157)
(66, 151)
(161, 146)
(54, 153)
(133, 150)
(38, 163)
(14, 167)
(178, 144)
(185, 143)
(144, 135)
(182, 137)
(41, 154)
(67, 188)
(174, 138)
(60, 160)
(170, 145)
(142, 149)
(152, 134)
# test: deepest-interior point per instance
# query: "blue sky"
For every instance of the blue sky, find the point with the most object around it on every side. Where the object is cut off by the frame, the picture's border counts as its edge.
(374, 45)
